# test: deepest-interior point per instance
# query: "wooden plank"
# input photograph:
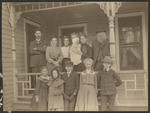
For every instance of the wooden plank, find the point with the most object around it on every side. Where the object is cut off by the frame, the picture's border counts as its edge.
(4, 6)
(8, 96)
(6, 50)
(7, 64)
(20, 52)
(7, 70)
(5, 23)
(9, 87)
(5, 31)
(7, 91)
(5, 17)
(8, 82)
(7, 42)
(6, 36)
(5, 12)
(6, 46)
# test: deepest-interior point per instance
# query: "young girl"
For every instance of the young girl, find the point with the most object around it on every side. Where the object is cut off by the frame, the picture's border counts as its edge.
(87, 96)
(39, 100)
(56, 88)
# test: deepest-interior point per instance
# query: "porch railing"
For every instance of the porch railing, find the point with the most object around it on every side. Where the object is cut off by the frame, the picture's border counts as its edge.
(25, 91)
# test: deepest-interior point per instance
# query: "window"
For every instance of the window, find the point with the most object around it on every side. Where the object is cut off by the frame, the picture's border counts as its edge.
(130, 43)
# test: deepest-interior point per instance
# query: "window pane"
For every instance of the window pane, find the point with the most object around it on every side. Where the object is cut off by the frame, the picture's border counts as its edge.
(130, 42)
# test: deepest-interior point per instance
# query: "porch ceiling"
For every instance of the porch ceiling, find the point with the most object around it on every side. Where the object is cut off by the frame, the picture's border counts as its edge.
(81, 12)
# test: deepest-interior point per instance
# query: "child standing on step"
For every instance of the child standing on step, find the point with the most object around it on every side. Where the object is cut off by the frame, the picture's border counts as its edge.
(39, 100)
(108, 80)
(55, 95)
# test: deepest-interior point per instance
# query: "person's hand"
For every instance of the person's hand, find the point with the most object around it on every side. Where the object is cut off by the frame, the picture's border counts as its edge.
(37, 98)
(71, 97)
(65, 96)
(56, 64)
(35, 48)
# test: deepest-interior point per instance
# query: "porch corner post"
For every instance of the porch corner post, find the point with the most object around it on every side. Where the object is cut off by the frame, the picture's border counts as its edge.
(13, 18)
(110, 9)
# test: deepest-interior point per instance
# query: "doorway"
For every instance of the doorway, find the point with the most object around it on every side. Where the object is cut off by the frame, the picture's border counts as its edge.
(68, 29)
(30, 27)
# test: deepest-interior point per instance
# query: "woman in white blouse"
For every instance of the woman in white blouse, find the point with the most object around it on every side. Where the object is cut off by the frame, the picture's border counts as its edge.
(65, 51)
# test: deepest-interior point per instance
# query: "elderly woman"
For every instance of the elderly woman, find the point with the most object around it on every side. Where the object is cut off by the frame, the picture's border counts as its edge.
(54, 55)
(75, 52)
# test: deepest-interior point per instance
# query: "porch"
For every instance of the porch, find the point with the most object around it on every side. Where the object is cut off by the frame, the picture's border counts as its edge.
(53, 18)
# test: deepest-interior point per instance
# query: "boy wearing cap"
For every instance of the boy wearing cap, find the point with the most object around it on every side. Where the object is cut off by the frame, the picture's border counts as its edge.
(71, 86)
(108, 80)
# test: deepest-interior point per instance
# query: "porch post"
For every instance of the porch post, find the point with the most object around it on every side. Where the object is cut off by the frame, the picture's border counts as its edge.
(12, 21)
(110, 9)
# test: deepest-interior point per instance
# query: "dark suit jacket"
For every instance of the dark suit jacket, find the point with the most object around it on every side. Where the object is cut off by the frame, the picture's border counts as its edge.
(86, 51)
(96, 49)
(108, 81)
(37, 57)
(71, 83)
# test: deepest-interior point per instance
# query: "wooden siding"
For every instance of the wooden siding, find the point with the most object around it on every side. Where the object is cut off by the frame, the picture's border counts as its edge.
(7, 60)
(7, 55)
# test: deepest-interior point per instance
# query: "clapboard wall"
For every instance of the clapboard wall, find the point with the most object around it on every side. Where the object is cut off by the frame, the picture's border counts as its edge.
(7, 56)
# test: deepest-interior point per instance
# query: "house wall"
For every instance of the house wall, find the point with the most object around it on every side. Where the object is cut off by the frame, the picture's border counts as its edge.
(7, 60)
(7, 56)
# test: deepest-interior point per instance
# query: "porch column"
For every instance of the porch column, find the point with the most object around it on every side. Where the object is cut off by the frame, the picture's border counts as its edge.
(110, 9)
(13, 18)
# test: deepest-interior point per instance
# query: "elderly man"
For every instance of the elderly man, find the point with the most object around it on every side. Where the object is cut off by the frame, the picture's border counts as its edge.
(37, 54)
(100, 50)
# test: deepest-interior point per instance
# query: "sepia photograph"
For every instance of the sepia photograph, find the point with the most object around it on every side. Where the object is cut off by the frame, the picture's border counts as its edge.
(74, 56)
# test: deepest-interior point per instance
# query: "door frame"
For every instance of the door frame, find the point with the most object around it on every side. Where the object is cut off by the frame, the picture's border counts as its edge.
(27, 21)
(84, 25)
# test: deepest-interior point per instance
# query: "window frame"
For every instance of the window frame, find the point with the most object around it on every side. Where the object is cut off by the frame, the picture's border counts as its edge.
(144, 43)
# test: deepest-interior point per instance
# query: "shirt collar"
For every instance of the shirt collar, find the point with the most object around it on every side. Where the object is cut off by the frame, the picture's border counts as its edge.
(38, 40)
(106, 69)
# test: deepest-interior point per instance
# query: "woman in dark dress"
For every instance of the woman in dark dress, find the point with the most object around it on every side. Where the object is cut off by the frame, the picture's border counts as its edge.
(39, 100)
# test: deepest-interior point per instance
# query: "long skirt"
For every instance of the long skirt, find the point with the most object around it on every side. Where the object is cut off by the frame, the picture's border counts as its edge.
(87, 99)
(42, 105)
(55, 103)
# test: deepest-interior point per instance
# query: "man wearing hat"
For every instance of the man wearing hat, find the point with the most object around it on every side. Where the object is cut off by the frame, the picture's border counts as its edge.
(100, 50)
(71, 86)
(108, 80)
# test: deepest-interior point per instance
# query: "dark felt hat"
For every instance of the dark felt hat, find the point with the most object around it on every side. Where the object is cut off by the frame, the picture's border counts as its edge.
(69, 64)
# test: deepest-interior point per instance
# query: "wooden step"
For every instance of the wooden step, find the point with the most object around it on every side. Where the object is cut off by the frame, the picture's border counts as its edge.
(22, 106)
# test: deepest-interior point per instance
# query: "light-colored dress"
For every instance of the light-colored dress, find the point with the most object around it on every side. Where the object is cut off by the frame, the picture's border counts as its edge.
(74, 50)
(55, 97)
(53, 54)
(87, 96)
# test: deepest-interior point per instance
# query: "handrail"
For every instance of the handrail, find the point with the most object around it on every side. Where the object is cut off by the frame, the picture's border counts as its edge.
(25, 84)
(35, 74)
